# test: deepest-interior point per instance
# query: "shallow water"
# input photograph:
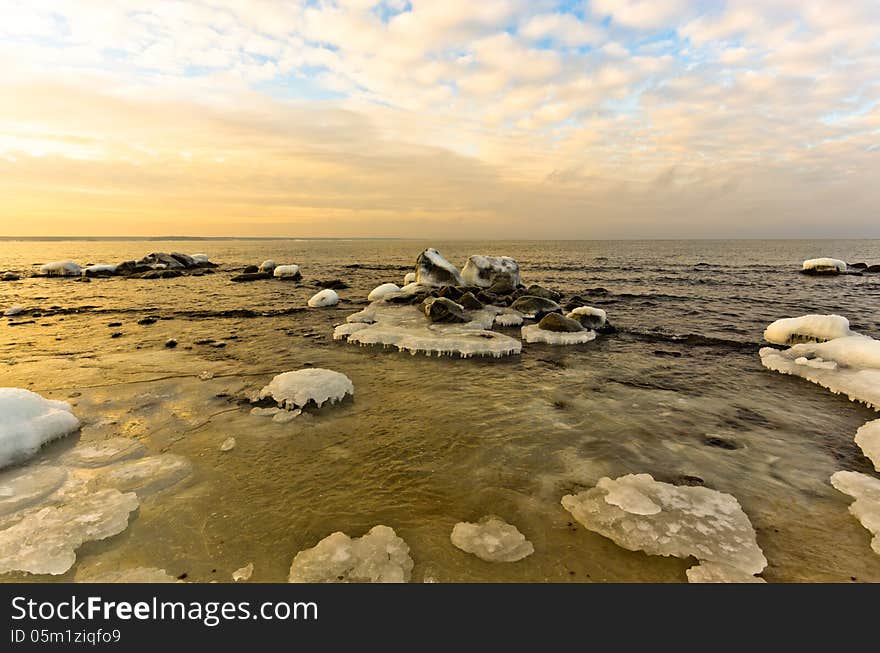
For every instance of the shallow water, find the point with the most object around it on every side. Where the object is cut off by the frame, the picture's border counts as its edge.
(679, 393)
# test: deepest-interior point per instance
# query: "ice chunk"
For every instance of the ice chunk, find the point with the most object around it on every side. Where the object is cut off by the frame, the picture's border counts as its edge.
(434, 270)
(268, 266)
(824, 265)
(380, 556)
(20, 488)
(483, 271)
(324, 298)
(12, 311)
(45, 540)
(807, 328)
(716, 572)
(244, 573)
(868, 439)
(534, 334)
(104, 452)
(265, 412)
(132, 575)
(641, 514)
(380, 291)
(406, 328)
(200, 258)
(589, 317)
(287, 272)
(228, 444)
(866, 508)
(28, 421)
(296, 389)
(492, 539)
(285, 416)
(145, 476)
(509, 318)
(61, 269)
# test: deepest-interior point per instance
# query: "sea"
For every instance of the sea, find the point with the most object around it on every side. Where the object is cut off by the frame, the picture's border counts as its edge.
(677, 392)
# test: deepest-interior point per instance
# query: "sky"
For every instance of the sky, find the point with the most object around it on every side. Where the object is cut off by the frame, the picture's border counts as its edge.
(428, 119)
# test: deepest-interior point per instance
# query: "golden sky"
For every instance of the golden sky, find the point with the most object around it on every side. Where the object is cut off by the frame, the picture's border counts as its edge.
(490, 119)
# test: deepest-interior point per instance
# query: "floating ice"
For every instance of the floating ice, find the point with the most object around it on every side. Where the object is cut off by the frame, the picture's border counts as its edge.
(868, 439)
(381, 291)
(287, 272)
(492, 539)
(244, 573)
(104, 452)
(132, 575)
(145, 476)
(534, 334)
(434, 270)
(296, 389)
(377, 557)
(824, 265)
(483, 271)
(45, 540)
(61, 269)
(641, 514)
(20, 488)
(807, 328)
(268, 266)
(28, 421)
(866, 508)
(509, 318)
(589, 317)
(12, 311)
(324, 298)
(406, 328)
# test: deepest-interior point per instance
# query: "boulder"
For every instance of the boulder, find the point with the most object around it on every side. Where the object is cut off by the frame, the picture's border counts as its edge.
(434, 270)
(529, 305)
(251, 269)
(251, 276)
(470, 302)
(441, 309)
(9, 276)
(559, 323)
(873, 269)
(486, 271)
(539, 291)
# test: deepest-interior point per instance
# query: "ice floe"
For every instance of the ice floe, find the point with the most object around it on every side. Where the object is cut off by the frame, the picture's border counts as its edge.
(807, 328)
(866, 507)
(145, 476)
(297, 389)
(641, 514)
(509, 318)
(61, 269)
(244, 573)
(868, 439)
(104, 452)
(380, 556)
(20, 488)
(287, 272)
(484, 271)
(533, 333)
(434, 270)
(824, 265)
(324, 298)
(380, 292)
(28, 421)
(492, 539)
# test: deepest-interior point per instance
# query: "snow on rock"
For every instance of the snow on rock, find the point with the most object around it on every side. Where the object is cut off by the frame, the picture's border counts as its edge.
(28, 421)
(492, 539)
(406, 328)
(380, 556)
(12, 311)
(269, 266)
(287, 272)
(824, 265)
(868, 439)
(408, 278)
(807, 328)
(533, 333)
(104, 452)
(434, 270)
(483, 271)
(131, 575)
(589, 317)
(324, 298)
(244, 573)
(381, 291)
(45, 540)
(509, 318)
(200, 258)
(293, 390)
(61, 269)
(98, 270)
(866, 508)
(641, 514)
(145, 476)
(20, 488)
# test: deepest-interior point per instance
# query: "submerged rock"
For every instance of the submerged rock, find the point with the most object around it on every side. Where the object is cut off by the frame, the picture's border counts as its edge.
(28, 421)
(559, 323)
(443, 310)
(539, 291)
(228, 444)
(535, 307)
(380, 556)
(492, 539)
(297, 389)
(486, 271)
(866, 508)
(434, 270)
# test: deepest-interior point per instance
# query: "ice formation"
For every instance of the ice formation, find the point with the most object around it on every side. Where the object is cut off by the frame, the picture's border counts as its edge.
(104, 452)
(28, 421)
(296, 389)
(45, 540)
(324, 298)
(483, 271)
(807, 328)
(509, 318)
(20, 488)
(407, 328)
(589, 317)
(61, 269)
(12, 311)
(434, 270)
(268, 266)
(868, 439)
(94, 270)
(380, 556)
(287, 272)
(381, 291)
(200, 258)
(641, 514)
(535, 334)
(244, 573)
(146, 476)
(131, 575)
(824, 265)
(866, 507)
(492, 539)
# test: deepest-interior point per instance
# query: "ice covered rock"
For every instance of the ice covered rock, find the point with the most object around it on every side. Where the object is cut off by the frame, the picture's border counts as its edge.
(484, 271)
(380, 556)
(297, 389)
(45, 540)
(244, 573)
(20, 488)
(509, 318)
(99, 270)
(131, 575)
(823, 266)
(379, 292)
(9, 276)
(268, 266)
(200, 259)
(28, 421)
(288, 272)
(434, 270)
(12, 311)
(535, 307)
(324, 298)
(408, 278)
(228, 444)
(145, 476)
(866, 507)
(445, 311)
(589, 317)
(868, 439)
(807, 328)
(104, 452)
(641, 514)
(61, 269)
(535, 334)
(492, 539)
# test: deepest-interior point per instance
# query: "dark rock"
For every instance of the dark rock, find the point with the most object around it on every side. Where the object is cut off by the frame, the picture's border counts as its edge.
(116, 334)
(539, 291)
(204, 341)
(170, 343)
(721, 443)
(115, 324)
(487, 297)
(450, 292)
(873, 269)
(160, 274)
(332, 284)
(251, 269)
(147, 321)
(441, 309)
(827, 271)
(859, 266)
(503, 285)
(559, 323)
(529, 305)
(250, 276)
(606, 328)
(9, 276)
(672, 354)
(470, 302)
(576, 302)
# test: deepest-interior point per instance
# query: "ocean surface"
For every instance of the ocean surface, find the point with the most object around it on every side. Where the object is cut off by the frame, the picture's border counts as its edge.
(678, 392)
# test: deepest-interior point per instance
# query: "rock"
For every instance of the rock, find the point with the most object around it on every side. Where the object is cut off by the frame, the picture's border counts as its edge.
(590, 318)
(487, 271)
(132, 575)
(12, 311)
(408, 278)
(160, 274)
(859, 266)
(470, 302)
(116, 334)
(268, 266)
(287, 272)
(244, 573)
(450, 292)
(146, 321)
(9, 276)
(377, 557)
(228, 444)
(873, 269)
(161, 260)
(501, 286)
(434, 270)
(324, 298)
(443, 310)
(114, 324)
(536, 307)
(316, 385)
(171, 343)
(559, 324)
(251, 276)
(492, 540)
(539, 291)
(575, 302)
(251, 269)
